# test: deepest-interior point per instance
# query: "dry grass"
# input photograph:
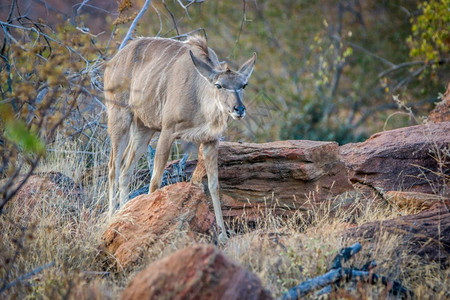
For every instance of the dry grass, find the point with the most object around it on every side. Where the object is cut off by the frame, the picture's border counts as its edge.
(286, 252)
(282, 252)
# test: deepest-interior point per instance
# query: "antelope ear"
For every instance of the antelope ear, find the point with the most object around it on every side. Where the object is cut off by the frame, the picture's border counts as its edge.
(247, 67)
(203, 68)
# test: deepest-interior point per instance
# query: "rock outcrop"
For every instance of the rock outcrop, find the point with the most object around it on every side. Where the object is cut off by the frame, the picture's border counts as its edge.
(286, 174)
(441, 113)
(197, 272)
(180, 207)
(49, 186)
(401, 159)
(426, 234)
(414, 200)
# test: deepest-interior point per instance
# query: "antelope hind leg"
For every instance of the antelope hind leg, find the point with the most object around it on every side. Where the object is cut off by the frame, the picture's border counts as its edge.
(139, 138)
(119, 139)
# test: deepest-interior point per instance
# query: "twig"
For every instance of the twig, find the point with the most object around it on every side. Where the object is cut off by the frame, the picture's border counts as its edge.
(94, 7)
(113, 31)
(81, 6)
(172, 17)
(244, 18)
(337, 275)
(185, 7)
(160, 20)
(310, 285)
(408, 78)
(3, 24)
(95, 273)
(133, 25)
(345, 254)
(362, 49)
(52, 8)
(191, 32)
(26, 276)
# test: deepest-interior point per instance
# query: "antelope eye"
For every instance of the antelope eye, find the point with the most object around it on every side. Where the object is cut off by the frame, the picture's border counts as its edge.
(218, 86)
(244, 86)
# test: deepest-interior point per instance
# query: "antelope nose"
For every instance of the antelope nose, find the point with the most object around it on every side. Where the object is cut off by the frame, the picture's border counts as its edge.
(239, 110)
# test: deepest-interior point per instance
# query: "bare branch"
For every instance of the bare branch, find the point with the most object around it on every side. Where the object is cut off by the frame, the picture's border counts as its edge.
(184, 35)
(175, 25)
(362, 49)
(345, 254)
(81, 6)
(160, 20)
(244, 19)
(27, 276)
(133, 25)
(338, 273)
(3, 24)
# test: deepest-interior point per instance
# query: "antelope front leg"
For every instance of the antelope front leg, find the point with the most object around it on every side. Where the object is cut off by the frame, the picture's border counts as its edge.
(161, 156)
(210, 153)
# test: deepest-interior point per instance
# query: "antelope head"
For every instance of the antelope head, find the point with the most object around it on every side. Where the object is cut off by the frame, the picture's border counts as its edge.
(229, 85)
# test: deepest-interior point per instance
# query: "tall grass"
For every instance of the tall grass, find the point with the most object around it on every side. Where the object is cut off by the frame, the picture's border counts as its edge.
(59, 225)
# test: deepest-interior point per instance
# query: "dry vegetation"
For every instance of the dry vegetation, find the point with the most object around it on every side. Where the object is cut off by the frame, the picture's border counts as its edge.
(61, 231)
(282, 252)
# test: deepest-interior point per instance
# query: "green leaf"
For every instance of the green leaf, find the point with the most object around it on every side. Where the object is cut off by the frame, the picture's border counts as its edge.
(18, 133)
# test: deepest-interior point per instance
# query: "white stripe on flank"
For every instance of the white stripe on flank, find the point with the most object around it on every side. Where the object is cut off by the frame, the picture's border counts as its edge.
(142, 58)
(145, 51)
(163, 75)
(155, 63)
(115, 66)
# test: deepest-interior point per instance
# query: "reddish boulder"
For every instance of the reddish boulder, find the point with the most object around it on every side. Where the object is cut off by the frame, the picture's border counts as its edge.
(146, 218)
(441, 113)
(197, 272)
(426, 234)
(413, 200)
(401, 159)
(44, 187)
(286, 174)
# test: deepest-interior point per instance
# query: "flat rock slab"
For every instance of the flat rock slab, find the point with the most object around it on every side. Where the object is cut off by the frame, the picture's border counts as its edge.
(180, 207)
(426, 234)
(402, 159)
(289, 174)
(414, 200)
(197, 272)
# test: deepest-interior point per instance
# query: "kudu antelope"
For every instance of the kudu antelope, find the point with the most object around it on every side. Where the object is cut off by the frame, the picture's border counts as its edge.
(178, 89)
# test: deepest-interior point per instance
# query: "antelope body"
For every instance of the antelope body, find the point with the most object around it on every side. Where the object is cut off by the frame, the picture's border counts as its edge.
(178, 89)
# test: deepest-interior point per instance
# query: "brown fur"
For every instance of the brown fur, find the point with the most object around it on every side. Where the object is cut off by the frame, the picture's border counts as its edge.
(163, 85)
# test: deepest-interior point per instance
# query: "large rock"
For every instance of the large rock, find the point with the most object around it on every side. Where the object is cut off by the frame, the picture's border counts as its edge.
(402, 159)
(286, 174)
(413, 200)
(441, 113)
(48, 187)
(197, 272)
(179, 207)
(426, 234)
